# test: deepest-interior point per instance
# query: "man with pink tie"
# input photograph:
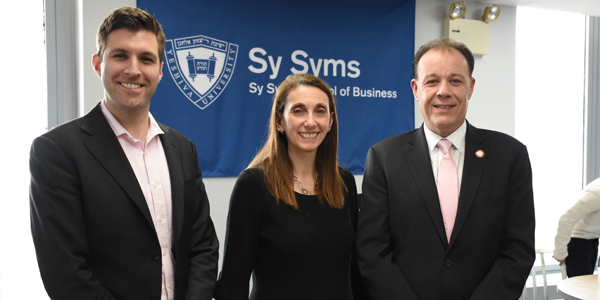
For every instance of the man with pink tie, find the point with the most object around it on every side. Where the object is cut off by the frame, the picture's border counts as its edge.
(447, 210)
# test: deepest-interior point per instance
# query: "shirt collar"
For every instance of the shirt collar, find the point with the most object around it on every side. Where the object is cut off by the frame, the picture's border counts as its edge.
(457, 138)
(119, 130)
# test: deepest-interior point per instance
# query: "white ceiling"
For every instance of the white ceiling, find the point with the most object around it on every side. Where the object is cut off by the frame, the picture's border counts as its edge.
(586, 7)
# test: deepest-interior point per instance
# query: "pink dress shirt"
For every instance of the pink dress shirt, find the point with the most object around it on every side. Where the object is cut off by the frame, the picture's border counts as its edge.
(149, 164)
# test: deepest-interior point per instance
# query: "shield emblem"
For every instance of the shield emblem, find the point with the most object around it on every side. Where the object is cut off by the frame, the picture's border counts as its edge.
(201, 67)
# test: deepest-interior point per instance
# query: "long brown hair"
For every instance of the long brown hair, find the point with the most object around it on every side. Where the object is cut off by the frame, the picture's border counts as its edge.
(274, 160)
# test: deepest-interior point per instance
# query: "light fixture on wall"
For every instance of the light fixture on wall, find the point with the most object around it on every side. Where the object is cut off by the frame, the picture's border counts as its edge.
(457, 10)
(473, 33)
(491, 13)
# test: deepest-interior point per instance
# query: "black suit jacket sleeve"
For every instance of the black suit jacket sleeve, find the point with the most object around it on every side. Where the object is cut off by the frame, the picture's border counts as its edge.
(517, 251)
(58, 226)
(382, 277)
(204, 250)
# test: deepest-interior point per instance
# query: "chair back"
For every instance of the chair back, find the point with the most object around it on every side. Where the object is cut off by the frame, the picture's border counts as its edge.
(540, 253)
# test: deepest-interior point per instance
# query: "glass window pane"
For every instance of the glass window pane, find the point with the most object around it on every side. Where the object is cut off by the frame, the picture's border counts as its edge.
(23, 117)
(550, 110)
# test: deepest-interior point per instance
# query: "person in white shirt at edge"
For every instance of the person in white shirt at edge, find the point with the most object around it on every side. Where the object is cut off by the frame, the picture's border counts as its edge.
(576, 241)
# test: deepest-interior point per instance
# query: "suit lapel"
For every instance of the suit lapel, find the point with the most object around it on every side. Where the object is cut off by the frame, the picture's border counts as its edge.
(471, 177)
(105, 147)
(419, 160)
(177, 180)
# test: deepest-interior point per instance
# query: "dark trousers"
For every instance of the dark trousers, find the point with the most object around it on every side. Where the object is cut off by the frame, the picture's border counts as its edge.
(582, 257)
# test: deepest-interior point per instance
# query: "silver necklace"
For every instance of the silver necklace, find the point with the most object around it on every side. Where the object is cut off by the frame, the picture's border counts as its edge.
(304, 191)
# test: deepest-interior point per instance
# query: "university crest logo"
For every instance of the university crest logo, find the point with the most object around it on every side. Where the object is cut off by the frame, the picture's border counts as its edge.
(201, 67)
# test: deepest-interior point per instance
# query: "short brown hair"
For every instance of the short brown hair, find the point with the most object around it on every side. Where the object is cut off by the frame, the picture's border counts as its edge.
(132, 19)
(444, 43)
(274, 160)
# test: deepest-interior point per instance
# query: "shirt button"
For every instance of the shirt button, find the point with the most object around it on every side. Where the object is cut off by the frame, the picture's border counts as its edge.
(155, 185)
(160, 219)
(448, 262)
(170, 286)
(164, 252)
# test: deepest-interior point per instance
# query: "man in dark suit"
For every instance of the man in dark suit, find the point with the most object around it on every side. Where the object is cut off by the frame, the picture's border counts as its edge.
(118, 206)
(479, 245)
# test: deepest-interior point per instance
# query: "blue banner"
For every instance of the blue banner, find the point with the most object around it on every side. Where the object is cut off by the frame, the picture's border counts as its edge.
(224, 60)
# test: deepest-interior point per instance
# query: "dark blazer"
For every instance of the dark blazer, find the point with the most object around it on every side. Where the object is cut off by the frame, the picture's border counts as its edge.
(91, 226)
(401, 244)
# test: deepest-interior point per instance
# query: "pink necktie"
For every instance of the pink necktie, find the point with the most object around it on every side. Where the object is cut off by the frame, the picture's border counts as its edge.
(447, 186)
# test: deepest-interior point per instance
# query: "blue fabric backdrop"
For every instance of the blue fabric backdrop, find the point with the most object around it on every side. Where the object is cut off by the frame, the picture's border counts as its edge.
(224, 59)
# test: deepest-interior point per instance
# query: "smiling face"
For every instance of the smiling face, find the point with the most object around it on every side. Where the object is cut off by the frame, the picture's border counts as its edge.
(306, 119)
(443, 89)
(130, 70)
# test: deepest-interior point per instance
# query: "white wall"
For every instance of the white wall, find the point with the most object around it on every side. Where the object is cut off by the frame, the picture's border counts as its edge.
(492, 105)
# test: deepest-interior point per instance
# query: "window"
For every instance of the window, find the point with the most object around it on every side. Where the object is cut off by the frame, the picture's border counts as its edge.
(550, 60)
(24, 116)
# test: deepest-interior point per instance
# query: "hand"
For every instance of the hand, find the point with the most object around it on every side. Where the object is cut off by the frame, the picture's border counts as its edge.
(560, 261)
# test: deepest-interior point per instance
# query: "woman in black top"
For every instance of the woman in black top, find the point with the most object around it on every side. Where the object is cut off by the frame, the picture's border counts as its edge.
(293, 212)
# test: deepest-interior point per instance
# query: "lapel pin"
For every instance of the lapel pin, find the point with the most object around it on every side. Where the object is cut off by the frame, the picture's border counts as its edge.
(479, 153)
